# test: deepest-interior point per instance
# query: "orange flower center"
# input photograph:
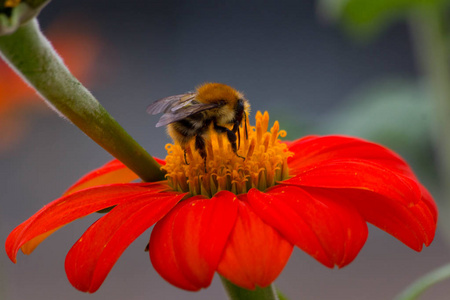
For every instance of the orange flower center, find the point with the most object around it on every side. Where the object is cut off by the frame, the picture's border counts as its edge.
(265, 162)
(12, 3)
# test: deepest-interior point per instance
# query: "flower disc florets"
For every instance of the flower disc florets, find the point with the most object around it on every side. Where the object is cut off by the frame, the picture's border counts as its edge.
(265, 162)
(15, 13)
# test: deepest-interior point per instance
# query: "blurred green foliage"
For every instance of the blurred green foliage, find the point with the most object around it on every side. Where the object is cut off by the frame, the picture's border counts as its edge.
(394, 112)
(403, 115)
(368, 18)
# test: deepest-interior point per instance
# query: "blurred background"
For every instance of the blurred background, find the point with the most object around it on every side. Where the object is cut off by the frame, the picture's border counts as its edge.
(313, 65)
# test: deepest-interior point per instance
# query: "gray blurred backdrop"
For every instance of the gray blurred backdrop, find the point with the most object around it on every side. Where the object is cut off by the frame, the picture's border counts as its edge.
(280, 54)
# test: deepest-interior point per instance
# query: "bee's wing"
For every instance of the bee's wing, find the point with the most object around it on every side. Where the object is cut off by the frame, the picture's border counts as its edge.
(166, 104)
(185, 101)
(184, 111)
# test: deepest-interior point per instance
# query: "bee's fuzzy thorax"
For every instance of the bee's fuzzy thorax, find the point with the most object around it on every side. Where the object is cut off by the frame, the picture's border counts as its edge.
(212, 92)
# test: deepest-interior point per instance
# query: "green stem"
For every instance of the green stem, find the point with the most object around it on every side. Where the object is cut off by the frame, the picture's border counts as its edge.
(432, 49)
(30, 53)
(422, 284)
(237, 293)
(35, 3)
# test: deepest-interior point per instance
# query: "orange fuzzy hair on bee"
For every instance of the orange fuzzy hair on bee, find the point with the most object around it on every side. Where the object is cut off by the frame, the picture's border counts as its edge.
(210, 92)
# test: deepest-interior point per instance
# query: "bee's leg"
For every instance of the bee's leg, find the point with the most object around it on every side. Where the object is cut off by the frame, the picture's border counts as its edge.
(236, 129)
(231, 137)
(200, 146)
(245, 126)
(185, 159)
(239, 138)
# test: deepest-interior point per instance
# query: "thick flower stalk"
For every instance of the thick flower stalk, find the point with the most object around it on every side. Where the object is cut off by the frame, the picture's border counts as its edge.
(19, 102)
(240, 218)
(33, 57)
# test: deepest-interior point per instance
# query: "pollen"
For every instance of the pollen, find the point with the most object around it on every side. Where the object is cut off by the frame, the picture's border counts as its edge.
(265, 162)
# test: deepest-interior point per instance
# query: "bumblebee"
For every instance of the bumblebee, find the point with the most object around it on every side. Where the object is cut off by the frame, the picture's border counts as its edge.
(191, 115)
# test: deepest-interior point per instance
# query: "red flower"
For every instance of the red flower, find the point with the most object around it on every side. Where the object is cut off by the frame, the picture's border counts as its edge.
(316, 193)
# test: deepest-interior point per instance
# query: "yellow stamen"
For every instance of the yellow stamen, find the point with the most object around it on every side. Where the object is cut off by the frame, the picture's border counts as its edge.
(265, 162)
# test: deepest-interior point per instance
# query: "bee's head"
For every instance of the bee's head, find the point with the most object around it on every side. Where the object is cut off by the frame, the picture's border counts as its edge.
(240, 109)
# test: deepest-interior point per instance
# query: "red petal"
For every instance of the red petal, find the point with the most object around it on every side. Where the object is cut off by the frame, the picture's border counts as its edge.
(94, 254)
(414, 225)
(359, 174)
(186, 246)
(113, 172)
(322, 224)
(429, 202)
(162, 252)
(256, 253)
(311, 151)
(69, 208)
